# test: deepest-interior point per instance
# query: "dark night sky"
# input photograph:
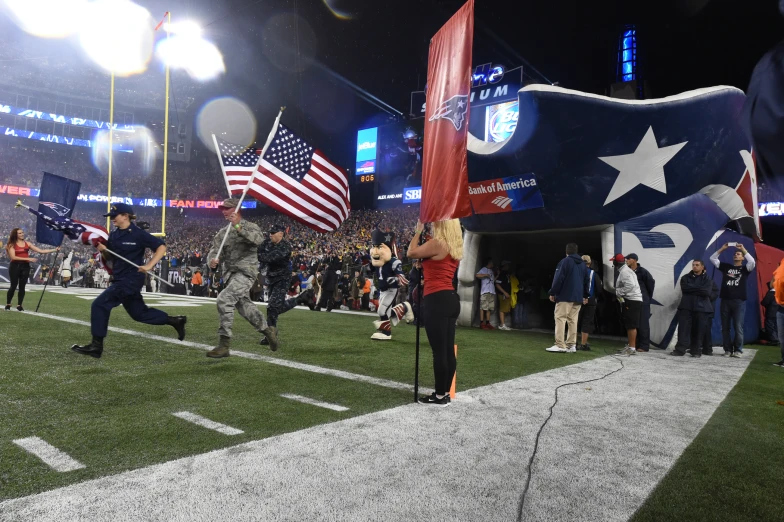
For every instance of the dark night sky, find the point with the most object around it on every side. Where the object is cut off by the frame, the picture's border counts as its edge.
(684, 45)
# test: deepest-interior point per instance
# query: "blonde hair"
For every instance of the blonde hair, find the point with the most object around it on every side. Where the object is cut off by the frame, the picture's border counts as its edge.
(450, 234)
(587, 259)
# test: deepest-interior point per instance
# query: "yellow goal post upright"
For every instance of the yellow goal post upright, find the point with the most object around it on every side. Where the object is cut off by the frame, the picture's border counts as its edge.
(162, 233)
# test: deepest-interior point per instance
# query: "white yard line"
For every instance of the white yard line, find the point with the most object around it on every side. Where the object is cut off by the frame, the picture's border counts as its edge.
(306, 400)
(606, 448)
(51, 456)
(207, 423)
(254, 356)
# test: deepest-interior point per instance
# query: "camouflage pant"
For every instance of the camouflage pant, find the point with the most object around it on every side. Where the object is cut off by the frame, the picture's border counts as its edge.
(277, 300)
(236, 294)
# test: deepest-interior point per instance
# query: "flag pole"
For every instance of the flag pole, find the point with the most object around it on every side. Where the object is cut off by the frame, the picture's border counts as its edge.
(250, 180)
(222, 166)
(111, 148)
(106, 249)
(51, 274)
(166, 133)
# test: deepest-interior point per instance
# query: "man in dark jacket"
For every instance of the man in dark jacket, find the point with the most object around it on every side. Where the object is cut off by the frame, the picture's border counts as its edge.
(647, 284)
(569, 291)
(693, 310)
(274, 255)
(328, 285)
(707, 339)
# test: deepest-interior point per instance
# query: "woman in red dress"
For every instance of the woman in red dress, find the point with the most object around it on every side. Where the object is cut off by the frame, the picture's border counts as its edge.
(18, 251)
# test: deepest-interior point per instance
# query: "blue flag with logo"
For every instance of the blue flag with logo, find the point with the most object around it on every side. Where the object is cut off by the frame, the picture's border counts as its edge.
(56, 199)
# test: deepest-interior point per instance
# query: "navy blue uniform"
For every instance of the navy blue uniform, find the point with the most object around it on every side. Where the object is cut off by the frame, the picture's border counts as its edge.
(127, 282)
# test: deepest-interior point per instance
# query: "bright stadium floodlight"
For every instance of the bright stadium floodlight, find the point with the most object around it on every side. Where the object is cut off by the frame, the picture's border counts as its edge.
(187, 28)
(199, 58)
(46, 18)
(118, 35)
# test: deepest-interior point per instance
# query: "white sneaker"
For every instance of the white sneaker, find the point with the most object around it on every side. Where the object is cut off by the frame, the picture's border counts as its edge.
(571, 349)
(504, 327)
(378, 336)
(629, 350)
(556, 349)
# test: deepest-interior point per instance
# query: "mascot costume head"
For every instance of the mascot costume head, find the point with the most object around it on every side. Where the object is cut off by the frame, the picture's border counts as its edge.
(383, 248)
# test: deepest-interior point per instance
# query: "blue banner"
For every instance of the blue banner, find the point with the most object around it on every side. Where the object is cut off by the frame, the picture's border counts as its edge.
(57, 198)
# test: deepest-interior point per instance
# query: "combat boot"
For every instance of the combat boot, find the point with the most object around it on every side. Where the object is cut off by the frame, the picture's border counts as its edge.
(178, 322)
(222, 349)
(94, 349)
(271, 338)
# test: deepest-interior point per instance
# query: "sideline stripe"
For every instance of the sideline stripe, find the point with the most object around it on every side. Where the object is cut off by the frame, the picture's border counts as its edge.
(256, 357)
(207, 423)
(51, 456)
(300, 398)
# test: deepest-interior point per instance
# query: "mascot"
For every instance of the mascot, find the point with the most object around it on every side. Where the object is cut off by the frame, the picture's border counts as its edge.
(389, 270)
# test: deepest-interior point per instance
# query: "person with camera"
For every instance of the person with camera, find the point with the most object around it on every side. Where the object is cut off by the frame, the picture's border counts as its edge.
(733, 295)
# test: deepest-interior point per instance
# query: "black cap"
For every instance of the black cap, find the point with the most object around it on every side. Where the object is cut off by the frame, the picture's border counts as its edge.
(277, 227)
(119, 208)
(633, 256)
(382, 238)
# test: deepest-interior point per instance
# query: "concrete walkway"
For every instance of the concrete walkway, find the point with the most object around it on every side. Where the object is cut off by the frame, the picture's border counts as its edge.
(607, 446)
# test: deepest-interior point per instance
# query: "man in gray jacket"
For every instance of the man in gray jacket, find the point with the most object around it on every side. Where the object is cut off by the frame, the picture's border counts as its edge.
(240, 269)
(627, 289)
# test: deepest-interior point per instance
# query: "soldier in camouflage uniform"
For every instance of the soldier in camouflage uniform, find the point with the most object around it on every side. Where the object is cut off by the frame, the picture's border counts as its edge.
(275, 257)
(240, 269)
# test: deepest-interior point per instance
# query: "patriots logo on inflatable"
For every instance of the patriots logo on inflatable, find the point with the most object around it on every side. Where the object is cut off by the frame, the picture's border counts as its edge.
(60, 210)
(454, 109)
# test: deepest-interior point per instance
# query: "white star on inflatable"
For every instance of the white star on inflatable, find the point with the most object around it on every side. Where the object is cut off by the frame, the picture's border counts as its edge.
(643, 167)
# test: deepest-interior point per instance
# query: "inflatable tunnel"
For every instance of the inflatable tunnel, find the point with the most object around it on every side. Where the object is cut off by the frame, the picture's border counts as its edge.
(669, 179)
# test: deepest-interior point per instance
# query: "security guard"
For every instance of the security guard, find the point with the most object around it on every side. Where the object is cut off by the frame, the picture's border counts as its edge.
(275, 257)
(240, 269)
(129, 241)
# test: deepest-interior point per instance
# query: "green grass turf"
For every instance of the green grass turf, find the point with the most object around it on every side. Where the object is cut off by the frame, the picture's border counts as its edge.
(733, 470)
(114, 414)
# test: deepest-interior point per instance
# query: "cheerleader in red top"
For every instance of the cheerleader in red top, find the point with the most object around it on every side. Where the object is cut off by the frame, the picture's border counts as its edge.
(441, 256)
(18, 251)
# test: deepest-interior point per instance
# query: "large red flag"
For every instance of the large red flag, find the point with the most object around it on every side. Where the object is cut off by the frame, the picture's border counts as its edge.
(445, 166)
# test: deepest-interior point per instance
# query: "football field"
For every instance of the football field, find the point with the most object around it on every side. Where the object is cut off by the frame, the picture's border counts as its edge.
(332, 411)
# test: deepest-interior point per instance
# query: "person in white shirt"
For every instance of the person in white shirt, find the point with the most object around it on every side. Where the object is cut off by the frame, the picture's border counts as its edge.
(627, 288)
(487, 299)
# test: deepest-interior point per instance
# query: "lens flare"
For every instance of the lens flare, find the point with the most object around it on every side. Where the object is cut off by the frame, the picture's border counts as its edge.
(341, 14)
(198, 57)
(46, 18)
(118, 36)
(229, 119)
(134, 153)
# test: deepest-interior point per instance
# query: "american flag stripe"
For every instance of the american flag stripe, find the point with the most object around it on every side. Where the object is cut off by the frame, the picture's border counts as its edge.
(295, 199)
(263, 195)
(309, 185)
(313, 197)
(336, 174)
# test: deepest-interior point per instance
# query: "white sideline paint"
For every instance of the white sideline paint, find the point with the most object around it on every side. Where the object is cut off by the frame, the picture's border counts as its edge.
(606, 448)
(51, 456)
(256, 357)
(207, 423)
(300, 398)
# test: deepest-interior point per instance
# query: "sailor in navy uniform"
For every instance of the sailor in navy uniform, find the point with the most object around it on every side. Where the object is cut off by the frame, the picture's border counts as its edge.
(129, 241)
(389, 270)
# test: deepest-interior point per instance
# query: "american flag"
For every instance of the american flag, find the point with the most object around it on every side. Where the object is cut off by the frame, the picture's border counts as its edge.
(299, 181)
(239, 162)
(79, 232)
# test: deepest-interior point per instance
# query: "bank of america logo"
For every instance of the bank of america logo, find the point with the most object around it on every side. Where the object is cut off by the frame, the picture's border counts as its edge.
(502, 201)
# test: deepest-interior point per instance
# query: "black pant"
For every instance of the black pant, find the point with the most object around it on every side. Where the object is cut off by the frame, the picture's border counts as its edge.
(278, 288)
(644, 329)
(442, 311)
(326, 299)
(691, 331)
(19, 272)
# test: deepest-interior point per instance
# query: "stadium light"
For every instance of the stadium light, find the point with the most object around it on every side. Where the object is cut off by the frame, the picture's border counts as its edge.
(118, 36)
(46, 18)
(187, 50)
